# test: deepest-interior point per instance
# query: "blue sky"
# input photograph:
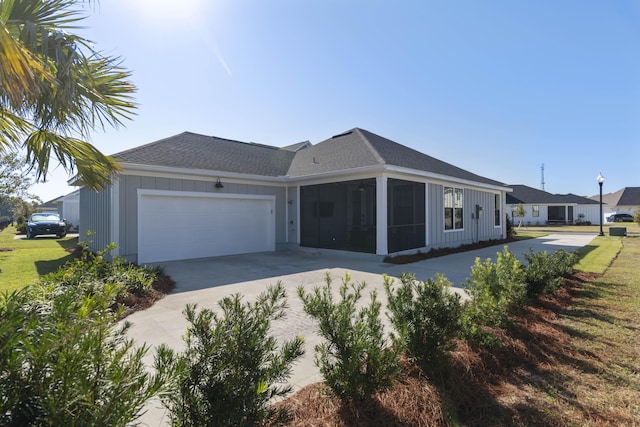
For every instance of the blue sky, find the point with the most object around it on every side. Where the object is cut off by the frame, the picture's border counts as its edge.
(495, 87)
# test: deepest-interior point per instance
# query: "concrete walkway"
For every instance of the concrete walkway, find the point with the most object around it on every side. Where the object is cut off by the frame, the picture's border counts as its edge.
(206, 281)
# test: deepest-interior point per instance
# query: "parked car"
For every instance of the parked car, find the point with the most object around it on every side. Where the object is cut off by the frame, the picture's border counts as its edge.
(46, 223)
(620, 218)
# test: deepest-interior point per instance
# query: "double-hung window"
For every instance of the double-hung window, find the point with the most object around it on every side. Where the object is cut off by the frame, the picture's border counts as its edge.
(453, 208)
(535, 209)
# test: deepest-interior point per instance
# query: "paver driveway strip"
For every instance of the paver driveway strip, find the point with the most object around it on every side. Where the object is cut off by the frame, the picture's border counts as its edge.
(206, 281)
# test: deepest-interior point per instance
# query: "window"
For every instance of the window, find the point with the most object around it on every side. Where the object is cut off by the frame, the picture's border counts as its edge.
(535, 210)
(453, 208)
(497, 211)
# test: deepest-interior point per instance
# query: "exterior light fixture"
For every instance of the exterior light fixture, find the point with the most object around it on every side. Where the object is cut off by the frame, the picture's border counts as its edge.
(219, 184)
(600, 180)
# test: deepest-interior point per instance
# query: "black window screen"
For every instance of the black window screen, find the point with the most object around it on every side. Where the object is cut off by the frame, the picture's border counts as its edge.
(339, 215)
(405, 215)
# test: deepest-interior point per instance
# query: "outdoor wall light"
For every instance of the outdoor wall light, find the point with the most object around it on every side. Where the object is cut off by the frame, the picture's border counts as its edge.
(600, 180)
(219, 184)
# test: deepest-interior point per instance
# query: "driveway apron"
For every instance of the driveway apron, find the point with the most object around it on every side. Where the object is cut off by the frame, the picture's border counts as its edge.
(205, 281)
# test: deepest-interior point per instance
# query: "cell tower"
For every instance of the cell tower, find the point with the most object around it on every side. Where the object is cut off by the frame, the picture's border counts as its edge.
(542, 177)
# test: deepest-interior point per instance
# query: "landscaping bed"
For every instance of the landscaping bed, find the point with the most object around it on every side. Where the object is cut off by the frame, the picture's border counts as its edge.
(504, 386)
(433, 253)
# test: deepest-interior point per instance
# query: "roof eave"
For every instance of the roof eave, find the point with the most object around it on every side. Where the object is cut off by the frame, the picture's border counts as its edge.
(131, 168)
(447, 178)
(336, 173)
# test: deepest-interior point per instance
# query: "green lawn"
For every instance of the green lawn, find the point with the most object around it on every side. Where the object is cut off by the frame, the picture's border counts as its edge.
(600, 384)
(30, 259)
(597, 256)
(526, 234)
(633, 228)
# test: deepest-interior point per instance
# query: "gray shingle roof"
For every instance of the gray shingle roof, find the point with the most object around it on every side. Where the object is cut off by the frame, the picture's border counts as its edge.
(528, 195)
(359, 148)
(627, 196)
(356, 148)
(193, 151)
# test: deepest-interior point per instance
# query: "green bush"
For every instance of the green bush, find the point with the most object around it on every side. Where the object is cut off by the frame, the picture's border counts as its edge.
(426, 316)
(231, 368)
(355, 360)
(21, 226)
(509, 223)
(92, 271)
(496, 290)
(65, 361)
(544, 272)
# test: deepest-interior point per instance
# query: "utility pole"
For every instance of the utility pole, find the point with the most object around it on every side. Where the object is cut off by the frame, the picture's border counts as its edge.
(542, 177)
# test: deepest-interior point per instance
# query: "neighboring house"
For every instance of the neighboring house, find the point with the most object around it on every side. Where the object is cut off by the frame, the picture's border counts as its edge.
(192, 196)
(542, 207)
(48, 206)
(626, 200)
(67, 206)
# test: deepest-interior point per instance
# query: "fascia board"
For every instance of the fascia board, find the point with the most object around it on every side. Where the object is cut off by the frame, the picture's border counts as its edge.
(341, 173)
(171, 172)
(166, 171)
(445, 179)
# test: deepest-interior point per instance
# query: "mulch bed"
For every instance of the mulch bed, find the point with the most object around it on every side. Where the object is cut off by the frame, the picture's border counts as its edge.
(161, 287)
(433, 253)
(479, 386)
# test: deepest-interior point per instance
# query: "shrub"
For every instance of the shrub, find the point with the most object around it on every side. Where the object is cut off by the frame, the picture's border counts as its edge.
(355, 360)
(426, 316)
(496, 290)
(509, 223)
(228, 373)
(21, 226)
(92, 271)
(544, 272)
(65, 361)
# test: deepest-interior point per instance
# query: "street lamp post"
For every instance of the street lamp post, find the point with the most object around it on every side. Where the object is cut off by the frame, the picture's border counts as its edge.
(600, 180)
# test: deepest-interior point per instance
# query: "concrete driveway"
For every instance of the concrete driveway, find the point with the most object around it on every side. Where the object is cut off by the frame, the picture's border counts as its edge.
(206, 281)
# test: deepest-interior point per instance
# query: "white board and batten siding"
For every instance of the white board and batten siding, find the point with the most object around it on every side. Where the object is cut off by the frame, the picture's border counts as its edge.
(176, 225)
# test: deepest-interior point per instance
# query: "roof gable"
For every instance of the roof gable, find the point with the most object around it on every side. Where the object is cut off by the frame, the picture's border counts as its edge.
(338, 153)
(358, 148)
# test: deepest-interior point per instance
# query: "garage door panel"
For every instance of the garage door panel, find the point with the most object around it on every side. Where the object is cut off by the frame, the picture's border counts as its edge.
(175, 227)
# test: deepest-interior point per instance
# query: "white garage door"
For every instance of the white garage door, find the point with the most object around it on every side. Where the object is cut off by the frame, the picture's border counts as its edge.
(179, 225)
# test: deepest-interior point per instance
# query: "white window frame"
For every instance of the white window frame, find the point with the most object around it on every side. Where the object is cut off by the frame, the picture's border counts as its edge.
(535, 211)
(458, 204)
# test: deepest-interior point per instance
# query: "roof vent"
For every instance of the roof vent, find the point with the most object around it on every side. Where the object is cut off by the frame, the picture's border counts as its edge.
(342, 134)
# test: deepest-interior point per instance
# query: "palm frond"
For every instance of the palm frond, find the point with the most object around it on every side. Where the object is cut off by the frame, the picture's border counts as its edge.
(55, 89)
(94, 169)
(12, 129)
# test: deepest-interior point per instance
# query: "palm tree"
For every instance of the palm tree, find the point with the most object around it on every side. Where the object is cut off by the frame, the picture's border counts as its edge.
(520, 212)
(55, 88)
